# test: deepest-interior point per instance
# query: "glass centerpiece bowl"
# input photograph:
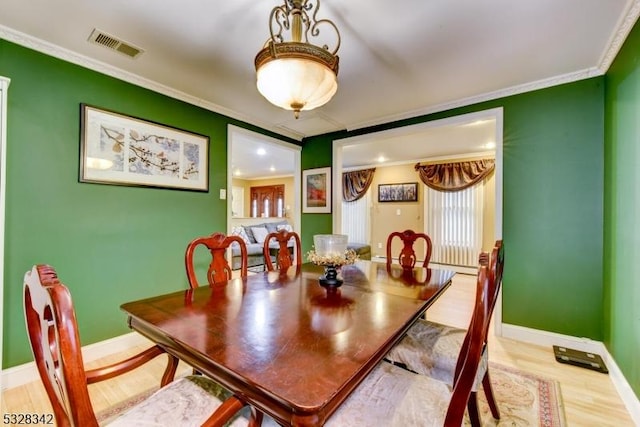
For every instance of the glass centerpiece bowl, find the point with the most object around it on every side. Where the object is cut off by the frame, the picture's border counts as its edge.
(330, 251)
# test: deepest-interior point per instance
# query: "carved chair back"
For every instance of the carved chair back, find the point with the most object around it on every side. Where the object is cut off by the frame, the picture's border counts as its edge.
(495, 265)
(472, 348)
(407, 257)
(219, 269)
(55, 342)
(284, 258)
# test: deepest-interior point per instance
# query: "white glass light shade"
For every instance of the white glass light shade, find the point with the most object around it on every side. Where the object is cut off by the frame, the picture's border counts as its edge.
(330, 245)
(296, 84)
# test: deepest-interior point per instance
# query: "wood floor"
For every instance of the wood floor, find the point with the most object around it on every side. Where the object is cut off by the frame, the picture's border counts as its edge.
(589, 397)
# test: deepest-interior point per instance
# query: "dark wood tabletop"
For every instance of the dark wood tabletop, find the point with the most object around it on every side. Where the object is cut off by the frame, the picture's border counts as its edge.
(284, 343)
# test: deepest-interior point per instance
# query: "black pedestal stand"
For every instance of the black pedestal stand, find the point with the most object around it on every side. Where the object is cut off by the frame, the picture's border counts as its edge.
(330, 277)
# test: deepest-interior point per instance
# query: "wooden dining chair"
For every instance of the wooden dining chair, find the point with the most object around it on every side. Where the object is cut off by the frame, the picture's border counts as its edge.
(55, 342)
(284, 258)
(431, 348)
(393, 396)
(407, 256)
(219, 268)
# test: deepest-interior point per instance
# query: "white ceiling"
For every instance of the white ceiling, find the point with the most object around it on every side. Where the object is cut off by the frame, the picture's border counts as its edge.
(397, 60)
(253, 157)
(419, 143)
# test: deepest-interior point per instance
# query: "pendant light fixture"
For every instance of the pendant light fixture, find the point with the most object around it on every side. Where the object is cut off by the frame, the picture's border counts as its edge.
(295, 74)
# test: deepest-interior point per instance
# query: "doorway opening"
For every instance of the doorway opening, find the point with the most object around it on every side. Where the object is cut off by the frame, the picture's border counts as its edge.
(432, 141)
(255, 160)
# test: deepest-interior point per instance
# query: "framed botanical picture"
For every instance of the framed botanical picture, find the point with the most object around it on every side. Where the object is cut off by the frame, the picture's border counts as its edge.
(316, 190)
(405, 192)
(123, 150)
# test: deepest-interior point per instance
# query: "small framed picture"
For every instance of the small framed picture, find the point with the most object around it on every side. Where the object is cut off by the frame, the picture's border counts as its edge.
(405, 192)
(316, 190)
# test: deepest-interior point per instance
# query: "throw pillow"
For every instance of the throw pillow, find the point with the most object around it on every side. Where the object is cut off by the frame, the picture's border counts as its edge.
(287, 227)
(250, 234)
(259, 233)
(239, 231)
(273, 226)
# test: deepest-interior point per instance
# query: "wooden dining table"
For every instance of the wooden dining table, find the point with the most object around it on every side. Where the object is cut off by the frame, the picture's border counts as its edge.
(282, 342)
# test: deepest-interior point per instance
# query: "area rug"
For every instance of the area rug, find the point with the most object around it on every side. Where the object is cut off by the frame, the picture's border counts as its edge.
(524, 400)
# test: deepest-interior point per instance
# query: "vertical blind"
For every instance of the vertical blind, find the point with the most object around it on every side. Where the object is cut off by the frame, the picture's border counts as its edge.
(356, 219)
(453, 221)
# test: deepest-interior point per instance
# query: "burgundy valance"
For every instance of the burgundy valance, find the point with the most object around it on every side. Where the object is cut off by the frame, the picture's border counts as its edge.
(356, 183)
(455, 176)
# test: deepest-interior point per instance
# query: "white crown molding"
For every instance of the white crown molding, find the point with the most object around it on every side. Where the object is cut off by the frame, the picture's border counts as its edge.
(56, 51)
(502, 93)
(549, 339)
(618, 37)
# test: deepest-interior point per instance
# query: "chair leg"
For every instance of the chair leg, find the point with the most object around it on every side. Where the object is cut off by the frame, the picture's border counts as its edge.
(256, 418)
(488, 391)
(170, 370)
(472, 406)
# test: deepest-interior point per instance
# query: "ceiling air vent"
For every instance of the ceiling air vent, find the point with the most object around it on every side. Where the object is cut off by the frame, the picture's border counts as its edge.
(113, 43)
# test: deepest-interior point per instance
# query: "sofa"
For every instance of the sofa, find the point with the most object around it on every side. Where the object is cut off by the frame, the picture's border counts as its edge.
(361, 249)
(253, 236)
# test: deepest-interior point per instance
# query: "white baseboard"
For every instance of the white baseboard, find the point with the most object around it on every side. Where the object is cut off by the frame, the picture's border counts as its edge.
(457, 268)
(26, 373)
(544, 338)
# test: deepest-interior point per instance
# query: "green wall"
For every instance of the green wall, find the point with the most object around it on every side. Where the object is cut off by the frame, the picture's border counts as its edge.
(109, 244)
(315, 155)
(552, 204)
(622, 210)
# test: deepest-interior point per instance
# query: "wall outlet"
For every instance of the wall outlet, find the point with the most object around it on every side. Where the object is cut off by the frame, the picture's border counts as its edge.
(379, 245)
(223, 194)
(398, 212)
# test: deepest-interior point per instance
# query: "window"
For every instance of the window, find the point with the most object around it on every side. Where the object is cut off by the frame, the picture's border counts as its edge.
(267, 201)
(356, 219)
(453, 221)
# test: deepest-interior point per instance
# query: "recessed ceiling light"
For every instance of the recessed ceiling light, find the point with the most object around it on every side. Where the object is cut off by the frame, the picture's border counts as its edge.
(237, 172)
(381, 159)
(261, 151)
(272, 169)
(490, 145)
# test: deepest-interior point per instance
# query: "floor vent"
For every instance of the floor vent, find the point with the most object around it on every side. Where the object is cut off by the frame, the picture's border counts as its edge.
(113, 43)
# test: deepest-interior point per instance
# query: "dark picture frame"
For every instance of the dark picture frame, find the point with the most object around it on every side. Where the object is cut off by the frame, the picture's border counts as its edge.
(118, 149)
(402, 192)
